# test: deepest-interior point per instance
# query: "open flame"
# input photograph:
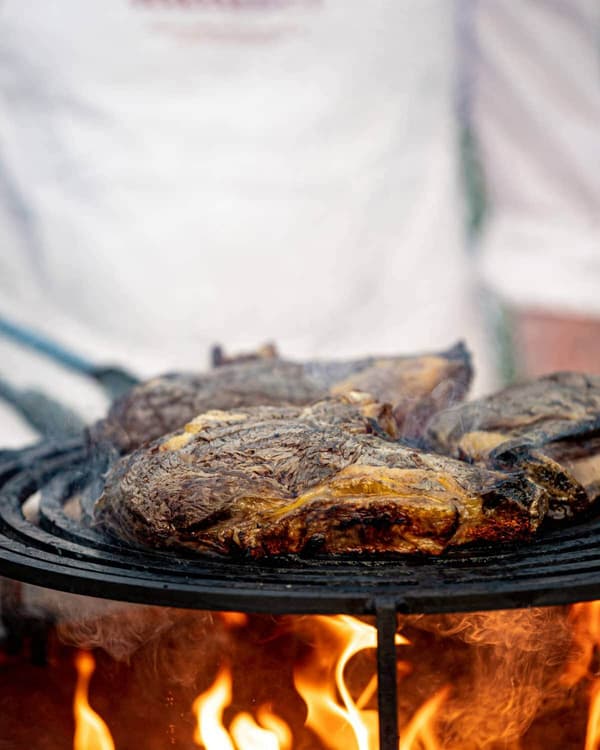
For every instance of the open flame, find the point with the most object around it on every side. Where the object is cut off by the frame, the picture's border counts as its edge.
(245, 733)
(209, 707)
(337, 715)
(592, 738)
(334, 674)
(420, 732)
(91, 733)
(583, 663)
(249, 735)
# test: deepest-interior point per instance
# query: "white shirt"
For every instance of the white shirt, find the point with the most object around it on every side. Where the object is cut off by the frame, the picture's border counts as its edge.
(180, 173)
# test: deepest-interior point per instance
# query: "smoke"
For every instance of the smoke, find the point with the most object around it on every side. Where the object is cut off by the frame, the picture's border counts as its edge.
(507, 677)
(161, 642)
(174, 637)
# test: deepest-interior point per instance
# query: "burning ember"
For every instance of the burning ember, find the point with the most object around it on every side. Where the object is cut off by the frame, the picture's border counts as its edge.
(512, 680)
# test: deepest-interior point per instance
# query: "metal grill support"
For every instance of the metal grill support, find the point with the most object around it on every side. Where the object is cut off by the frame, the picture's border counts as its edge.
(387, 698)
(560, 566)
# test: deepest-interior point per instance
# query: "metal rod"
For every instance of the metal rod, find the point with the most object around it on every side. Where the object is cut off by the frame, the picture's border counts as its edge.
(114, 380)
(40, 343)
(387, 694)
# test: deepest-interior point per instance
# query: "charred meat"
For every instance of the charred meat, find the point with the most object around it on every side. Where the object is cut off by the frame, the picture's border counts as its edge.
(319, 479)
(549, 428)
(416, 387)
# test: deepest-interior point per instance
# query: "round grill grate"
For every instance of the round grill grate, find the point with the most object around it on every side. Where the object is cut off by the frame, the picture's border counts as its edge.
(560, 567)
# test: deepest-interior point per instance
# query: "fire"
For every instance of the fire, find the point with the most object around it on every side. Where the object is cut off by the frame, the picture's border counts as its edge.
(234, 619)
(91, 733)
(585, 623)
(209, 707)
(592, 738)
(338, 717)
(244, 732)
(249, 735)
(522, 667)
(277, 726)
(421, 728)
(339, 721)
(337, 712)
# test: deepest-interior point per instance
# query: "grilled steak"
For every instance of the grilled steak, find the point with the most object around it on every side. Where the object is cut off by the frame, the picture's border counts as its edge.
(549, 428)
(271, 480)
(416, 386)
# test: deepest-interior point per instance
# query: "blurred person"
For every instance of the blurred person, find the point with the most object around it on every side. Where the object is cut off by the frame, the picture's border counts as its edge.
(179, 172)
(534, 105)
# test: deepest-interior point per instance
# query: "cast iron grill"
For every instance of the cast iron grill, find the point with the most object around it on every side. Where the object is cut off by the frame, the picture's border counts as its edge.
(559, 567)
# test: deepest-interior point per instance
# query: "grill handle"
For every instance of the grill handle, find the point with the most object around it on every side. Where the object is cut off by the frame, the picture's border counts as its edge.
(114, 380)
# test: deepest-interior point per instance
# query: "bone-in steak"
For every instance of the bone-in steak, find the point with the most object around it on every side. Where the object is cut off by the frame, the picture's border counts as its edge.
(548, 428)
(273, 480)
(417, 386)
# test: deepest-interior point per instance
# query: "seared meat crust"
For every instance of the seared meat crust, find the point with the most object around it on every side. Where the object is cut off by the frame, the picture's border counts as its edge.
(278, 480)
(549, 428)
(416, 386)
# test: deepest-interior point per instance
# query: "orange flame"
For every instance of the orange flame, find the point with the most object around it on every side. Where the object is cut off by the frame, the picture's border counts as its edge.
(592, 737)
(420, 728)
(585, 623)
(91, 733)
(233, 619)
(334, 715)
(276, 725)
(339, 690)
(337, 717)
(244, 733)
(248, 735)
(209, 707)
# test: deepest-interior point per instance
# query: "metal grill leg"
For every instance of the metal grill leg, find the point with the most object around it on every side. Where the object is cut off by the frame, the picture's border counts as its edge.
(387, 697)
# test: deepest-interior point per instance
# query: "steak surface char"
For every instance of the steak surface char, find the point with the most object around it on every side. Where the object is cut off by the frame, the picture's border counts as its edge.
(549, 428)
(278, 480)
(416, 386)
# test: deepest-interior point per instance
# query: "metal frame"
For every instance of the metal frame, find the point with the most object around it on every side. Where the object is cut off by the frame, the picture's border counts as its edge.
(559, 567)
